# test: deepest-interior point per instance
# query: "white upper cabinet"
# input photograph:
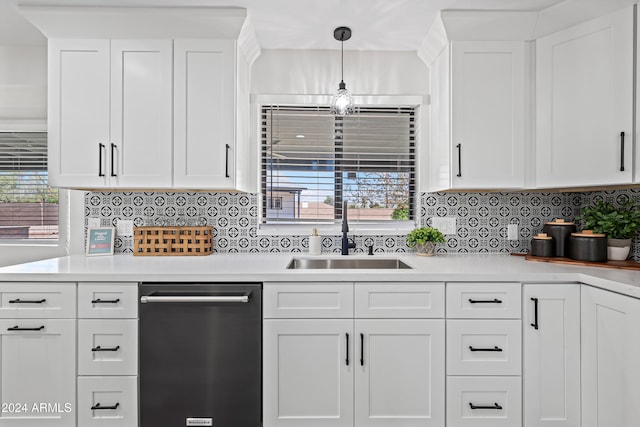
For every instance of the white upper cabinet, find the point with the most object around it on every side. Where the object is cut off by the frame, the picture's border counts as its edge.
(478, 95)
(139, 148)
(487, 115)
(204, 114)
(110, 113)
(584, 102)
(135, 111)
(79, 69)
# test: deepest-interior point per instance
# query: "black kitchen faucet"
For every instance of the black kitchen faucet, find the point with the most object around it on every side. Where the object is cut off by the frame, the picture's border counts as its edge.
(346, 244)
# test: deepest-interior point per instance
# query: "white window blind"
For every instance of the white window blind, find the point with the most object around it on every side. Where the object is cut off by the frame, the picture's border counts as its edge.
(313, 160)
(28, 207)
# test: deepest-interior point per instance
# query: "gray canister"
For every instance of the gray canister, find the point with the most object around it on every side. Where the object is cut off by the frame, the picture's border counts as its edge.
(543, 245)
(588, 246)
(560, 230)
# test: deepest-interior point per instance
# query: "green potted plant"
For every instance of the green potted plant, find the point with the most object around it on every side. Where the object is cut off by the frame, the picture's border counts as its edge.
(620, 224)
(424, 239)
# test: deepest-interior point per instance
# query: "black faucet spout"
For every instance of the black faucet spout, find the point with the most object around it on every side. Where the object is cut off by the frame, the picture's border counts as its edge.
(346, 244)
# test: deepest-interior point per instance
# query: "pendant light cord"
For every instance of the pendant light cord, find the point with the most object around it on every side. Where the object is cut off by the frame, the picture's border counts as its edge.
(342, 57)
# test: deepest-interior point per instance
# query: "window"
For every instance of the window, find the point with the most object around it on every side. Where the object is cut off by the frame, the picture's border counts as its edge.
(313, 161)
(28, 207)
(276, 203)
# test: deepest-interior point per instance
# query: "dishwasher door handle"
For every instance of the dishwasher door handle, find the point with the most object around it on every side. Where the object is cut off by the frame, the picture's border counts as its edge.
(180, 299)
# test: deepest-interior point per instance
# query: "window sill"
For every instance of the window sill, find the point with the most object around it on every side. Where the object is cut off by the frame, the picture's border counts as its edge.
(396, 229)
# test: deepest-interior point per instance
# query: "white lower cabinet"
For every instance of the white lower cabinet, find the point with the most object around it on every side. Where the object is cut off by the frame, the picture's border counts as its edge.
(38, 369)
(484, 402)
(107, 347)
(610, 359)
(351, 371)
(308, 372)
(107, 354)
(108, 401)
(399, 373)
(551, 357)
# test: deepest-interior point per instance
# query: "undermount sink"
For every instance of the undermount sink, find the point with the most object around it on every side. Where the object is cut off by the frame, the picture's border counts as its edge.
(346, 263)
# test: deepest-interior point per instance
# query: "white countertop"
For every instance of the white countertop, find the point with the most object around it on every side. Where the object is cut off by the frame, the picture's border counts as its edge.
(272, 268)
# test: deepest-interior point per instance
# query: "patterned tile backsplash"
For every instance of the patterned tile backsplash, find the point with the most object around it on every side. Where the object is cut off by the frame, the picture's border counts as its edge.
(482, 219)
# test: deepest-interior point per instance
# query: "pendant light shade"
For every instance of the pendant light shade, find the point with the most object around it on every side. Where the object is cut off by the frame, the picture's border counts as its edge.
(342, 101)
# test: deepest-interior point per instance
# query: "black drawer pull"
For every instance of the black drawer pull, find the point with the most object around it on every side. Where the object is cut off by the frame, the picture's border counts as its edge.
(26, 301)
(361, 349)
(347, 349)
(535, 313)
(459, 147)
(98, 348)
(113, 149)
(495, 348)
(495, 406)
(100, 148)
(226, 161)
(105, 301)
(484, 301)
(18, 328)
(621, 151)
(97, 406)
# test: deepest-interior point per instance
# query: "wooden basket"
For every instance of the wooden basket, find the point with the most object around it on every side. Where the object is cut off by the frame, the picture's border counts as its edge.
(173, 241)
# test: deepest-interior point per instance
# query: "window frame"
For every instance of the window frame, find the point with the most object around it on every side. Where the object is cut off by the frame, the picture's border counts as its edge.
(24, 250)
(360, 228)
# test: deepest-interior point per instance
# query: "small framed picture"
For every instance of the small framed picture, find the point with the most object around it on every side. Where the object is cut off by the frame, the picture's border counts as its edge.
(100, 241)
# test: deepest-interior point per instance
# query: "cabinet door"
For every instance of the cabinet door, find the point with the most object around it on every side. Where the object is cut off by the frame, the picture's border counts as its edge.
(487, 87)
(308, 373)
(610, 355)
(399, 373)
(551, 356)
(204, 114)
(38, 371)
(140, 148)
(78, 112)
(584, 98)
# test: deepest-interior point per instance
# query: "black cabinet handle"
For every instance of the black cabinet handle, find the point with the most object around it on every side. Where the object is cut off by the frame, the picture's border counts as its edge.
(535, 313)
(459, 147)
(485, 301)
(100, 148)
(97, 406)
(25, 301)
(621, 151)
(361, 349)
(113, 148)
(18, 328)
(494, 406)
(347, 349)
(98, 348)
(226, 162)
(495, 348)
(105, 301)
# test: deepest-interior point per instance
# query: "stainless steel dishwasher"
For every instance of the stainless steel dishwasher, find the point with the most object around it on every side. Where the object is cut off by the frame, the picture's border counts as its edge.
(200, 354)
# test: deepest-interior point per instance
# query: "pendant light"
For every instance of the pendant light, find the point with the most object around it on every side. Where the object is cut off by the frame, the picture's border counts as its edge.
(342, 101)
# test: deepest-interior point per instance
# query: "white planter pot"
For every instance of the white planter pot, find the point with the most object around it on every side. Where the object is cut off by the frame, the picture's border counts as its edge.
(427, 249)
(618, 249)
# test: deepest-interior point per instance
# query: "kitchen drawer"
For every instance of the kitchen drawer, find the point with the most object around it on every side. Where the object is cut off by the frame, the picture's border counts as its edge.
(496, 402)
(313, 301)
(399, 300)
(484, 347)
(107, 347)
(107, 300)
(107, 393)
(38, 300)
(483, 300)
